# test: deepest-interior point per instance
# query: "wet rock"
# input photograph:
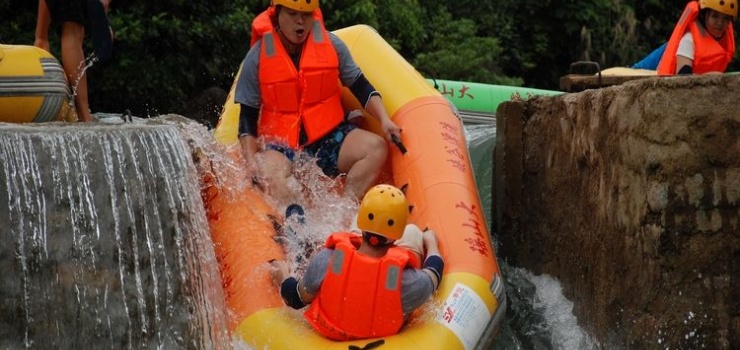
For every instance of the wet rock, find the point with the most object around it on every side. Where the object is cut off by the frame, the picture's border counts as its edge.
(629, 195)
(105, 243)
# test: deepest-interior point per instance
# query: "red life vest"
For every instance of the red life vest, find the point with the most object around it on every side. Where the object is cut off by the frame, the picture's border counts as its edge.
(360, 296)
(309, 97)
(709, 54)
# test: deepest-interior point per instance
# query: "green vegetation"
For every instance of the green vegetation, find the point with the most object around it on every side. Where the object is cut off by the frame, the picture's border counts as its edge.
(169, 51)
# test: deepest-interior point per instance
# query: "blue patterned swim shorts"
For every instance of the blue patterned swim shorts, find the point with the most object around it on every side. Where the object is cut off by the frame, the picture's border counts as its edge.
(325, 150)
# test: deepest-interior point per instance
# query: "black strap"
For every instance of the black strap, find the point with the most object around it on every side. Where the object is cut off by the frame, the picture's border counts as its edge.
(368, 346)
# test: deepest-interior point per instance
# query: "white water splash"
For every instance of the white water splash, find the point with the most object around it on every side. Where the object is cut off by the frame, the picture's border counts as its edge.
(557, 311)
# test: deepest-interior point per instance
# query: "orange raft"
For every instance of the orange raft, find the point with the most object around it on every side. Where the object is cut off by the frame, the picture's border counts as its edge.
(437, 175)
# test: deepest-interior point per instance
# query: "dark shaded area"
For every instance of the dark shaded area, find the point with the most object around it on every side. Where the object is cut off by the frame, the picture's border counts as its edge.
(167, 53)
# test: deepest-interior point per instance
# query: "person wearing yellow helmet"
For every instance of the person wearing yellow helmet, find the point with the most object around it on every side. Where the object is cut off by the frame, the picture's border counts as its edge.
(703, 40)
(298, 5)
(363, 272)
(290, 97)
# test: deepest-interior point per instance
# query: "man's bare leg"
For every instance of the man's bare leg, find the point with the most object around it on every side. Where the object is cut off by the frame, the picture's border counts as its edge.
(73, 62)
(362, 157)
(276, 173)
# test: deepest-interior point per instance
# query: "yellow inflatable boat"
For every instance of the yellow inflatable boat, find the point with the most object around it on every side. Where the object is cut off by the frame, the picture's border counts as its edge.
(437, 175)
(33, 87)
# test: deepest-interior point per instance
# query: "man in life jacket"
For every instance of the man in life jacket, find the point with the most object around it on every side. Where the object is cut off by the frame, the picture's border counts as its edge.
(703, 40)
(289, 91)
(365, 286)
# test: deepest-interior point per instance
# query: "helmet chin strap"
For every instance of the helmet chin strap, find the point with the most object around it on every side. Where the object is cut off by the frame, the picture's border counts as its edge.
(376, 240)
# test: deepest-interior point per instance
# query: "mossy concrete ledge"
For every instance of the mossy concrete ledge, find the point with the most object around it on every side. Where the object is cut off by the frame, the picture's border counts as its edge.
(630, 196)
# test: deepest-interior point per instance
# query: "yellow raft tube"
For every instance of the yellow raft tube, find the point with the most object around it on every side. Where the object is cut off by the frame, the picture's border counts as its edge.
(437, 175)
(33, 87)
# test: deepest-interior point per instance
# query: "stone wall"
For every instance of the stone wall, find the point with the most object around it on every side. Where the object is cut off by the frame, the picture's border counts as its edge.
(630, 196)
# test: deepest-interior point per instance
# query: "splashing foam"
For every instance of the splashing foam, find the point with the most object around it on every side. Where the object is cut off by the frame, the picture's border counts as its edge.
(326, 212)
(558, 313)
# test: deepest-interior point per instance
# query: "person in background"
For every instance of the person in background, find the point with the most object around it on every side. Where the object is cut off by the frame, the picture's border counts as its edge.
(365, 286)
(72, 16)
(703, 40)
(290, 98)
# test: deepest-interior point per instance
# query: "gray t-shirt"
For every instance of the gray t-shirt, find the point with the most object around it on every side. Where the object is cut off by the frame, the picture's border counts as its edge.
(416, 285)
(248, 87)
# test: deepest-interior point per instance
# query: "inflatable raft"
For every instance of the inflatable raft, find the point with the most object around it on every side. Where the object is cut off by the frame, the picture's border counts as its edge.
(438, 179)
(33, 87)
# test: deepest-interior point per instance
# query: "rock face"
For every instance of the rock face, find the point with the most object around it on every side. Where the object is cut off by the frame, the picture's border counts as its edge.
(630, 196)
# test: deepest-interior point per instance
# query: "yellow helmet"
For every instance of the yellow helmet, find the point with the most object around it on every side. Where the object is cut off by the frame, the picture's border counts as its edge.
(728, 7)
(383, 211)
(298, 5)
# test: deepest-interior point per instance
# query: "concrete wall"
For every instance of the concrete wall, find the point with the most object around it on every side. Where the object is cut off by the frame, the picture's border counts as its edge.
(630, 196)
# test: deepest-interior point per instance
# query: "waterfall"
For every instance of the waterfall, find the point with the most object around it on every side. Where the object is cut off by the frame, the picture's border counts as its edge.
(104, 241)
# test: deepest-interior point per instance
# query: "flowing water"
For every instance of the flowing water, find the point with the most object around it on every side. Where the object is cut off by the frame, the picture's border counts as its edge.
(538, 315)
(105, 244)
(104, 241)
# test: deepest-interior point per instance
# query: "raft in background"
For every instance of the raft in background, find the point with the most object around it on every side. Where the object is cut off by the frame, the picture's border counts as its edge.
(33, 87)
(438, 179)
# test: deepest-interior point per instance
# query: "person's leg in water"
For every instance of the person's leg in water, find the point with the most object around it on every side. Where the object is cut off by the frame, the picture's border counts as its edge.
(353, 151)
(73, 62)
(275, 175)
(361, 156)
(71, 18)
(295, 216)
(294, 236)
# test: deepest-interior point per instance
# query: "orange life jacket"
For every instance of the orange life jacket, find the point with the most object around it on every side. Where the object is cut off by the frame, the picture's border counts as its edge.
(360, 296)
(309, 97)
(709, 54)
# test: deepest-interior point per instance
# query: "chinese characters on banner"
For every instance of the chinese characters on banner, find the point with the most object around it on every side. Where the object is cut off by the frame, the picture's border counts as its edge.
(461, 92)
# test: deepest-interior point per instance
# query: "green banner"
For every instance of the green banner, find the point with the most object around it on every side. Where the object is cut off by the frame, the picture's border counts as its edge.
(483, 98)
